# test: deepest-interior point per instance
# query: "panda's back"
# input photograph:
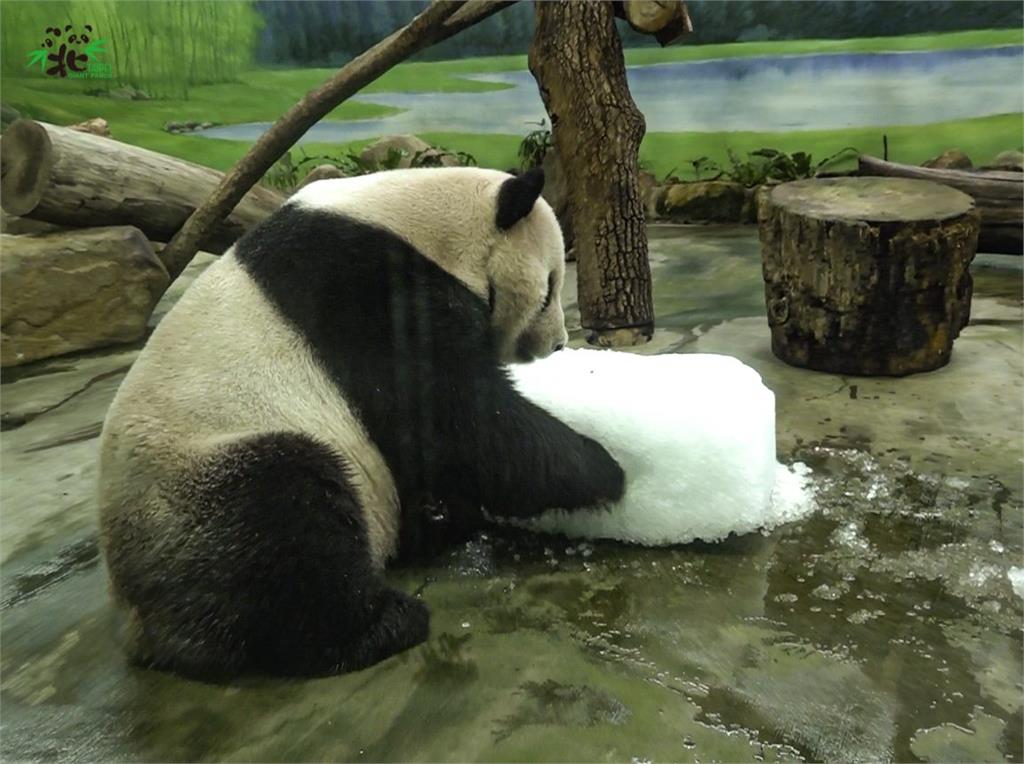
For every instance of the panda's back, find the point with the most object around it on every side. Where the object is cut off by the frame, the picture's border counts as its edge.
(222, 366)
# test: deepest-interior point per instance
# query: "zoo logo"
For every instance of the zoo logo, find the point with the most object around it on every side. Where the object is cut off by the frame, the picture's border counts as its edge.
(70, 59)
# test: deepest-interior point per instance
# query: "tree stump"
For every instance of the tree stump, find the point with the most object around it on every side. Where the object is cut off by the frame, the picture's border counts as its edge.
(867, 275)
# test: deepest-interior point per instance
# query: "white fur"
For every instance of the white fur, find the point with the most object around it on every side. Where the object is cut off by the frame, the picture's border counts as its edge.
(448, 214)
(222, 365)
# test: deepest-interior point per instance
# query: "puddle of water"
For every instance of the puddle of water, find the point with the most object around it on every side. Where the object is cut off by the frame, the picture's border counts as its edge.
(883, 627)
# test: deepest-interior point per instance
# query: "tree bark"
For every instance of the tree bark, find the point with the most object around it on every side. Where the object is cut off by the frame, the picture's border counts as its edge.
(69, 178)
(998, 195)
(867, 275)
(440, 20)
(576, 59)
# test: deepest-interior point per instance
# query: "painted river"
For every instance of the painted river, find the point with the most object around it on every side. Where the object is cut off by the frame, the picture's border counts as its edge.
(775, 94)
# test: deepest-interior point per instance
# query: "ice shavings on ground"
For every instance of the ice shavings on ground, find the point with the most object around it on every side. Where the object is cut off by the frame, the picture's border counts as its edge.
(1016, 576)
(695, 434)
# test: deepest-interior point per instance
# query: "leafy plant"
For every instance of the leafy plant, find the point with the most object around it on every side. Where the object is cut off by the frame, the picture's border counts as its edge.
(535, 146)
(435, 157)
(765, 165)
(703, 165)
(287, 173)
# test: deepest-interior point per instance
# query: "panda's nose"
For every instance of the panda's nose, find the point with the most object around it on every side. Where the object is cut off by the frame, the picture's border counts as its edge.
(558, 347)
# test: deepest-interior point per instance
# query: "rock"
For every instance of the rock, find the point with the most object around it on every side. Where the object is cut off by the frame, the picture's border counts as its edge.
(950, 159)
(207, 125)
(556, 193)
(128, 93)
(192, 124)
(321, 172)
(17, 226)
(73, 290)
(1008, 160)
(96, 126)
(649, 193)
(376, 154)
(8, 114)
(711, 201)
(173, 127)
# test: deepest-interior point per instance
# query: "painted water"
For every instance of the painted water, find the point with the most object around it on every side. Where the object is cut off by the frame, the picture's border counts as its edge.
(882, 627)
(777, 94)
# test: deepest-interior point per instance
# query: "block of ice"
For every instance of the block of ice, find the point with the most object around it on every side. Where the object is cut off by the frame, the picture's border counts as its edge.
(695, 434)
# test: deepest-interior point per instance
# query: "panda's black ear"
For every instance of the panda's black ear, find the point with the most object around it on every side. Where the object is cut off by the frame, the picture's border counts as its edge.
(517, 197)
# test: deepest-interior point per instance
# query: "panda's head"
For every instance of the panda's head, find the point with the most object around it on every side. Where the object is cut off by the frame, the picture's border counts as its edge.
(490, 230)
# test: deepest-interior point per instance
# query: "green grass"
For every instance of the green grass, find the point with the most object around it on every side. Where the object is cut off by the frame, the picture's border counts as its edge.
(979, 38)
(263, 95)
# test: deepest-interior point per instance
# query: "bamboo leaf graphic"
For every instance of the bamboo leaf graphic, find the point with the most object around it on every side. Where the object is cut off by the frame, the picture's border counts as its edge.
(37, 57)
(94, 48)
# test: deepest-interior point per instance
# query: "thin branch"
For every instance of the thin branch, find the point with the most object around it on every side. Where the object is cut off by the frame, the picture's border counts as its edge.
(439, 21)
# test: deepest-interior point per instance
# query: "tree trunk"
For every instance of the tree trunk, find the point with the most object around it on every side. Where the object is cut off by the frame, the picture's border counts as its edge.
(439, 21)
(998, 195)
(70, 178)
(576, 58)
(867, 275)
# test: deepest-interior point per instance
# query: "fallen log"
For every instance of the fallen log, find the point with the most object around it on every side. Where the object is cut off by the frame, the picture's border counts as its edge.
(998, 196)
(70, 178)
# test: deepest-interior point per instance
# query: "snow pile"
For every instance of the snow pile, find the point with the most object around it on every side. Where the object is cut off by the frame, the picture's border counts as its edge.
(694, 433)
(1016, 576)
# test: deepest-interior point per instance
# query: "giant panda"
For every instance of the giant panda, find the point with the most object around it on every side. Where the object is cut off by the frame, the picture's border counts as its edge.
(337, 371)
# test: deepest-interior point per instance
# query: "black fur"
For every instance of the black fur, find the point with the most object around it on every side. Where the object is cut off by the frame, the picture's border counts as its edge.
(267, 569)
(517, 196)
(410, 347)
(267, 566)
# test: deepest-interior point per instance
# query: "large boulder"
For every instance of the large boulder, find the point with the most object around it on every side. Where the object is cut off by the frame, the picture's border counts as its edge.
(409, 145)
(950, 159)
(96, 126)
(1008, 160)
(15, 225)
(128, 93)
(321, 172)
(711, 201)
(75, 290)
(649, 193)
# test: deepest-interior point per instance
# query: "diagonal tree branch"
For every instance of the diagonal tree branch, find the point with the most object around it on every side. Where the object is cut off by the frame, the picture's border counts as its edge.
(439, 21)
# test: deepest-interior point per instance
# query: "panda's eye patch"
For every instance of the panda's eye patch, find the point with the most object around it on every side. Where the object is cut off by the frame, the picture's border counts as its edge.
(491, 296)
(551, 292)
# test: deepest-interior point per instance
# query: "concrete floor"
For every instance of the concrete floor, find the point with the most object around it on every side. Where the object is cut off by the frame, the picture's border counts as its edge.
(883, 627)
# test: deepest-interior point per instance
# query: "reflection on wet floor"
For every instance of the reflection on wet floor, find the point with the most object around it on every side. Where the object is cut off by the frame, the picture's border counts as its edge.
(883, 627)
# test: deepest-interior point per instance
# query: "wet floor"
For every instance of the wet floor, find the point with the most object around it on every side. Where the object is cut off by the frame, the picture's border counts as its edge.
(883, 627)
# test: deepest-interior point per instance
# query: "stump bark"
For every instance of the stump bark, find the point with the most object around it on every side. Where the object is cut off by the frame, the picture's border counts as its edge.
(867, 275)
(576, 59)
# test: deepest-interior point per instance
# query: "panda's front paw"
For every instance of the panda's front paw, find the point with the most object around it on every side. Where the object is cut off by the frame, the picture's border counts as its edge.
(603, 474)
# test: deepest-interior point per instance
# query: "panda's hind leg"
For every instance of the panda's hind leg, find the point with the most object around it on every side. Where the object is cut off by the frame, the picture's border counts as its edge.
(272, 572)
